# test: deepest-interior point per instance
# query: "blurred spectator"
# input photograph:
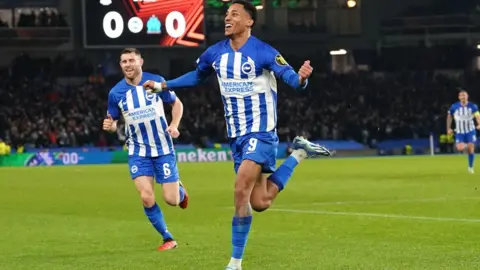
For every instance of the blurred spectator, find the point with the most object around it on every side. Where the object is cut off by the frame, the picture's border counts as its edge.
(44, 17)
(5, 149)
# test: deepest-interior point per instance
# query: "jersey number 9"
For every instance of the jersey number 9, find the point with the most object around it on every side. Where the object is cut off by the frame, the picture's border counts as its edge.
(253, 144)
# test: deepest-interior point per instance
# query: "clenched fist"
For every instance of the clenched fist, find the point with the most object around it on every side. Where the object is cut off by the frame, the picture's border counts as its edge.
(109, 124)
(153, 87)
(305, 72)
(173, 131)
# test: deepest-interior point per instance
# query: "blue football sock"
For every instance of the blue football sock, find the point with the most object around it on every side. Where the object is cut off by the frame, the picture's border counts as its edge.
(181, 190)
(240, 230)
(471, 158)
(155, 216)
(281, 176)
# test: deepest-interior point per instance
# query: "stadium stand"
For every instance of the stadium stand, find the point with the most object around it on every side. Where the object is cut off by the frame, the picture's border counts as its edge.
(366, 107)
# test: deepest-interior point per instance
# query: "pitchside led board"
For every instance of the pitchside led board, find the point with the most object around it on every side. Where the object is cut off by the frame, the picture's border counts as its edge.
(143, 23)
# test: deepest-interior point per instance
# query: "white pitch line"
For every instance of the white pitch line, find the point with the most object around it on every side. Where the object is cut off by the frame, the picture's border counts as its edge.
(396, 201)
(320, 212)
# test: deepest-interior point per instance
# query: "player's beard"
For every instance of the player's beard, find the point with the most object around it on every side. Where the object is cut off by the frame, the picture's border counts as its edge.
(131, 75)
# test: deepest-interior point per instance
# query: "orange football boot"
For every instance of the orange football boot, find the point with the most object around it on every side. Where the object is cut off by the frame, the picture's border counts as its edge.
(167, 245)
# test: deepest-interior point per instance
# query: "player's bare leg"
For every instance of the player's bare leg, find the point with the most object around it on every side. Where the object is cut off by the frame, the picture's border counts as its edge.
(247, 175)
(263, 194)
(267, 188)
(175, 194)
(460, 147)
(145, 187)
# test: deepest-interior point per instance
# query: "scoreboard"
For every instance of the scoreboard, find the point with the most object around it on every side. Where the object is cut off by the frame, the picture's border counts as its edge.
(143, 23)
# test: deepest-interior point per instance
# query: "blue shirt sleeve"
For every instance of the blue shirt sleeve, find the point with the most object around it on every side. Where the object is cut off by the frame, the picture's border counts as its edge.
(205, 62)
(451, 111)
(275, 62)
(168, 97)
(474, 108)
(199, 76)
(113, 108)
(190, 79)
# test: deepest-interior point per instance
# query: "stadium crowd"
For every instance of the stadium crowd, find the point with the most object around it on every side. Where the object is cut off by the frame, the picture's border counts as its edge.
(38, 110)
(37, 17)
(42, 18)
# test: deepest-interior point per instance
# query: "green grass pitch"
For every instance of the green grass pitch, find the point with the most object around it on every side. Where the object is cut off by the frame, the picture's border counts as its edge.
(358, 213)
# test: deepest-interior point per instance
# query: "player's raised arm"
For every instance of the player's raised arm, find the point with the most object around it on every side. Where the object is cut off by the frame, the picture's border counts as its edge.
(449, 121)
(113, 114)
(282, 69)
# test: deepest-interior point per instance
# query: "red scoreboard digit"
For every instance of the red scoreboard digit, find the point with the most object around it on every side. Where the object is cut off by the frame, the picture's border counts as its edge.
(143, 23)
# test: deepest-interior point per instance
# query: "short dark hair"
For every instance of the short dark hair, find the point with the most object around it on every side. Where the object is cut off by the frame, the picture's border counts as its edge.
(249, 8)
(461, 89)
(131, 50)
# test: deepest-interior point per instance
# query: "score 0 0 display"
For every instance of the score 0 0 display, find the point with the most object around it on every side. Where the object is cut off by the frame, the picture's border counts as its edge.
(143, 23)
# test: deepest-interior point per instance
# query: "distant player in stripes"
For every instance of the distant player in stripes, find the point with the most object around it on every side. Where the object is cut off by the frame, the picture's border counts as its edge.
(246, 68)
(463, 113)
(149, 139)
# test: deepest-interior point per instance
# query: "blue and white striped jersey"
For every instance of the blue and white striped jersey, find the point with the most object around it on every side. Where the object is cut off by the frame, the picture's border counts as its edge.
(145, 121)
(463, 116)
(247, 83)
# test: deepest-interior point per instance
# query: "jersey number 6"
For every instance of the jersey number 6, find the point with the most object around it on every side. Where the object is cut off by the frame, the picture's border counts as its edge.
(166, 170)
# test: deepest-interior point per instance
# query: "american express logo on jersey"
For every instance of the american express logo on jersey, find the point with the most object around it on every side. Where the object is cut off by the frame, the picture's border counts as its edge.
(464, 115)
(237, 87)
(142, 114)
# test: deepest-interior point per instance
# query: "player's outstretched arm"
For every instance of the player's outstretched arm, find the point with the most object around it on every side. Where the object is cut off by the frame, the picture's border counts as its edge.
(190, 79)
(196, 77)
(193, 78)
